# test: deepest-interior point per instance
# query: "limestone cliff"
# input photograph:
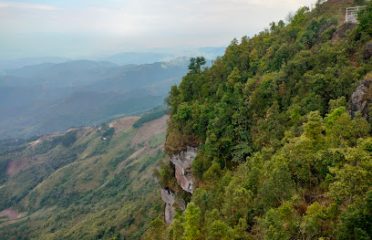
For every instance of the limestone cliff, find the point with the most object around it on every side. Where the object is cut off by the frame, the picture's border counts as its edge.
(183, 162)
(169, 198)
(361, 99)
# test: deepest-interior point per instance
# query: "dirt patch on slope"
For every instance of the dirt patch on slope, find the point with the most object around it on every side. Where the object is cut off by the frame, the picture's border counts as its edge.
(15, 167)
(123, 124)
(150, 129)
(11, 214)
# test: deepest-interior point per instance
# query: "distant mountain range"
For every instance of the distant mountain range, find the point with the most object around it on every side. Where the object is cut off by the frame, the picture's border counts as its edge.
(6, 64)
(151, 57)
(49, 97)
(122, 58)
(126, 58)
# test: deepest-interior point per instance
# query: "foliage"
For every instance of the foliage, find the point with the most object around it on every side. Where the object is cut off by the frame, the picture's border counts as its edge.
(279, 156)
(79, 186)
(149, 116)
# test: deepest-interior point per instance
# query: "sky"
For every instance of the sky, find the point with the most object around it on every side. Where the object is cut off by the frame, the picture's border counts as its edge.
(83, 28)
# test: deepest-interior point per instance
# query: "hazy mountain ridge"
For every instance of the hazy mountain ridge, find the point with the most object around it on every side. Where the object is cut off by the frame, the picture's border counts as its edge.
(35, 100)
(7, 64)
(163, 55)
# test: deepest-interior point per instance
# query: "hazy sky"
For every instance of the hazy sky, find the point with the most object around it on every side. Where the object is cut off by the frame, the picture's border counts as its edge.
(75, 28)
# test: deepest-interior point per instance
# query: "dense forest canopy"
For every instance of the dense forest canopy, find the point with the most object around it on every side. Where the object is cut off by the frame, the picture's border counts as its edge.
(280, 156)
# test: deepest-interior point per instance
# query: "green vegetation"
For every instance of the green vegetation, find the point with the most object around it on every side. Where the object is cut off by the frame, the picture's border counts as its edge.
(155, 113)
(89, 183)
(279, 156)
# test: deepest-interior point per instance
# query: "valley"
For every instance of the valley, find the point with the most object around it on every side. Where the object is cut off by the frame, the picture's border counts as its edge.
(85, 183)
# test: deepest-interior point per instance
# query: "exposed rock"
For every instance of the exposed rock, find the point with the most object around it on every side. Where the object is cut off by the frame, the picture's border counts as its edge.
(169, 198)
(361, 99)
(181, 204)
(342, 31)
(182, 162)
(11, 214)
(367, 54)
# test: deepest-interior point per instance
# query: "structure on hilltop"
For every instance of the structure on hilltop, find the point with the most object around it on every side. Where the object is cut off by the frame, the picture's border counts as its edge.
(351, 15)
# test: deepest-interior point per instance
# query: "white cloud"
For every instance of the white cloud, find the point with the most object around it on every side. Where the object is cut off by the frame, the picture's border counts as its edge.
(136, 17)
(142, 24)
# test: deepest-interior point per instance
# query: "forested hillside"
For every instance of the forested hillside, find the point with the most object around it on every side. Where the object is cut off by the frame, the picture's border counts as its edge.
(282, 127)
(86, 183)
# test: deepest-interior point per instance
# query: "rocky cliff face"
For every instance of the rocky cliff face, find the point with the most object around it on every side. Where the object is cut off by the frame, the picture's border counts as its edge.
(361, 99)
(367, 53)
(183, 162)
(171, 204)
(169, 198)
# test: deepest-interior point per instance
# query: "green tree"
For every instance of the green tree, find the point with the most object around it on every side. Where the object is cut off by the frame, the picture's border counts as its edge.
(196, 64)
(352, 179)
(175, 230)
(356, 221)
(314, 221)
(237, 202)
(313, 127)
(218, 230)
(192, 223)
(280, 223)
(155, 231)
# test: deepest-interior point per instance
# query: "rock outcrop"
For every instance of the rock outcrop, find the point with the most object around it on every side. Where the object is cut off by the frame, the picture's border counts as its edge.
(342, 31)
(183, 162)
(169, 198)
(367, 53)
(361, 99)
(171, 204)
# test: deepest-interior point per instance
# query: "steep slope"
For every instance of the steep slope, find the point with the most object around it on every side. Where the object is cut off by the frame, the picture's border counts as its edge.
(282, 128)
(86, 183)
